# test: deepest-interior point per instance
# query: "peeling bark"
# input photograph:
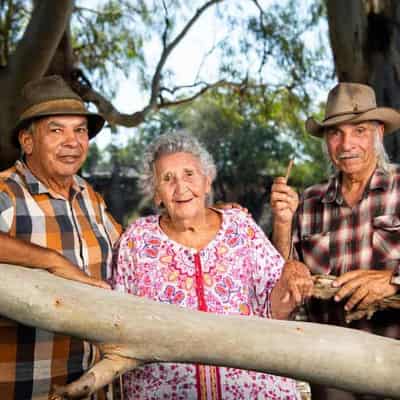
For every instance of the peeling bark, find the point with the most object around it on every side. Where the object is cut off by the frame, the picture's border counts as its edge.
(144, 331)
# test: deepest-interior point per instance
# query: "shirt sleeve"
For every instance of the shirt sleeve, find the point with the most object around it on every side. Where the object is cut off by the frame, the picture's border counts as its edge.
(112, 227)
(7, 212)
(269, 264)
(123, 265)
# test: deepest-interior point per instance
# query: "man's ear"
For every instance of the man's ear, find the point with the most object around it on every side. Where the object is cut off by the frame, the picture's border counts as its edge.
(26, 141)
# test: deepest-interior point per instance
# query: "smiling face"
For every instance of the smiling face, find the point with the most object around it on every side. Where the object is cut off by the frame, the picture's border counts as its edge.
(181, 185)
(57, 147)
(351, 147)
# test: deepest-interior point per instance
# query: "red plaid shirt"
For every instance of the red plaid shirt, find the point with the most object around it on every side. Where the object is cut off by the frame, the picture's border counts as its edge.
(332, 238)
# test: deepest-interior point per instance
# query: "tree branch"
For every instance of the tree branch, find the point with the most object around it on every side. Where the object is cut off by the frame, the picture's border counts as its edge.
(114, 117)
(110, 113)
(167, 49)
(148, 331)
(41, 38)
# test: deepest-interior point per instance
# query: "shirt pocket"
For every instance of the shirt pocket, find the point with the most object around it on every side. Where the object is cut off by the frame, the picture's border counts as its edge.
(315, 250)
(386, 241)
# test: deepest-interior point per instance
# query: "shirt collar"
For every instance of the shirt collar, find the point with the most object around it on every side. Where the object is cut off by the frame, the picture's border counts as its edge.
(380, 180)
(35, 186)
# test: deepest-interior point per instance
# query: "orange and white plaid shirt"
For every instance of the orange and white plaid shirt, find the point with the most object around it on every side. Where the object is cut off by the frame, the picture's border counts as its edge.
(32, 360)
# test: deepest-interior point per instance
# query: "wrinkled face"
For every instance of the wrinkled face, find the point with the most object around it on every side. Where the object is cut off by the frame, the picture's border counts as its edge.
(58, 146)
(181, 185)
(352, 146)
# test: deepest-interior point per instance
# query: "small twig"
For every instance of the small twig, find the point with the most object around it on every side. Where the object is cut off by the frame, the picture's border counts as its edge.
(289, 168)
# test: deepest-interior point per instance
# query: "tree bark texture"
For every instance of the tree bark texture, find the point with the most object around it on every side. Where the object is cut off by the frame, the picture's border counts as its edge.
(365, 40)
(30, 61)
(147, 331)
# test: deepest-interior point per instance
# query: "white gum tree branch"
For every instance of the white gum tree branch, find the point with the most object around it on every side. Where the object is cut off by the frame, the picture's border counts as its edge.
(138, 331)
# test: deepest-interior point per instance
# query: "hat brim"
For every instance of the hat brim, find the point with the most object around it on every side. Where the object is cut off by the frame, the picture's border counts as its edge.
(95, 121)
(388, 116)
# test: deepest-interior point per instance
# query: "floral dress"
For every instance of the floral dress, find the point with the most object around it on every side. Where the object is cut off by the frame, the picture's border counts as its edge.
(234, 274)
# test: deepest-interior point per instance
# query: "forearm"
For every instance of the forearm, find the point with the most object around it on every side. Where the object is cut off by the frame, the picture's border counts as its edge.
(282, 238)
(280, 309)
(19, 252)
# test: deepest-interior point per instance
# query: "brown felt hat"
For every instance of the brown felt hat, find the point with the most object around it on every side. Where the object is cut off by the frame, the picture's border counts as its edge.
(52, 96)
(353, 103)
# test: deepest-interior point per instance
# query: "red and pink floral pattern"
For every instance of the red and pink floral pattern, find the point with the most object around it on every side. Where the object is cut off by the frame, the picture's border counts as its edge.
(233, 274)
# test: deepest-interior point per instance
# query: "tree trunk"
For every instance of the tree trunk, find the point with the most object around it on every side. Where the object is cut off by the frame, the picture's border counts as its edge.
(30, 61)
(148, 331)
(365, 39)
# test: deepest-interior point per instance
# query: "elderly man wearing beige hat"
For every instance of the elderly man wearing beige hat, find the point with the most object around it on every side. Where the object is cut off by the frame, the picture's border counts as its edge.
(50, 219)
(349, 226)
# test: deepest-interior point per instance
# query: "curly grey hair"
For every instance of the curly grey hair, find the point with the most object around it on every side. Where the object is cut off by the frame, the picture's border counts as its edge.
(171, 143)
(383, 161)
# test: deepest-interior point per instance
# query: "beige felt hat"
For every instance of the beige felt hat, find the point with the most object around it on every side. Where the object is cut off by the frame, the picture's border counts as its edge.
(353, 103)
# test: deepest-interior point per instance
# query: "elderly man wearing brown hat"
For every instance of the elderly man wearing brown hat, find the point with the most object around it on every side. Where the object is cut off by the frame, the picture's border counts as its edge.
(50, 219)
(350, 226)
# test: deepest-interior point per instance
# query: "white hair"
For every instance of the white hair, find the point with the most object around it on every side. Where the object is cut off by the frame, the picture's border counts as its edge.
(169, 144)
(383, 161)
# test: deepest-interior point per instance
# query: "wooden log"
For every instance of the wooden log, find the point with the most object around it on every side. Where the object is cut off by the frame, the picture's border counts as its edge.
(323, 290)
(141, 330)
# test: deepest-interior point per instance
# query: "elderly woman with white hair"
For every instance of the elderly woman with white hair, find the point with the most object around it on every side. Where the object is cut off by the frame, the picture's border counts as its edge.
(198, 257)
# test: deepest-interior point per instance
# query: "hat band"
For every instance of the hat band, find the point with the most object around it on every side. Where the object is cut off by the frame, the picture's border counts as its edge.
(66, 105)
(350, 112)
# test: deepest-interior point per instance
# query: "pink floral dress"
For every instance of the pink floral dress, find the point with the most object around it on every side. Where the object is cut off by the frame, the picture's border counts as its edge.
(233, 274)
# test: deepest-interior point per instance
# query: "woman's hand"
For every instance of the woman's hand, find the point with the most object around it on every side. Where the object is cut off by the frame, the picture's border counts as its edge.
(294, 287)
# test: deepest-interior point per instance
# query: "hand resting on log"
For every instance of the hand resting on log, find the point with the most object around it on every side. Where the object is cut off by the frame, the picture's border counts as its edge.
(324, 290)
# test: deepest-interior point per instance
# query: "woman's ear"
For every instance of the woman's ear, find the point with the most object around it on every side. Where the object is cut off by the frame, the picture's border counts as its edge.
(26, 141)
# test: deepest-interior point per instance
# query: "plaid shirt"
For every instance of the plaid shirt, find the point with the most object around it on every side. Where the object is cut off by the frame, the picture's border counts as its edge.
(32, 360)
(332, 238)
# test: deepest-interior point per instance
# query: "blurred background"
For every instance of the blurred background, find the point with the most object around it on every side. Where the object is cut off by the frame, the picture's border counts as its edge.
(241, 75)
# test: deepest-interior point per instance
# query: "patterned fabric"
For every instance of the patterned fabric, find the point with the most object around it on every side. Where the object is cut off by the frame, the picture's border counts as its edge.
(32, 360)
(233, 274)
(332, 238)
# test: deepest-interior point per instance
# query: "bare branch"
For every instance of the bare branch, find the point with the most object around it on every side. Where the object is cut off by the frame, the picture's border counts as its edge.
(164, 36)
(96, 12)
(110, 113)
(155, 85)
(114, 117)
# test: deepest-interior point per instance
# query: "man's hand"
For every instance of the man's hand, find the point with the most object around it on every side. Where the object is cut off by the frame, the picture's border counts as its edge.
(284, 201)
(63, 268)
(364, 287)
